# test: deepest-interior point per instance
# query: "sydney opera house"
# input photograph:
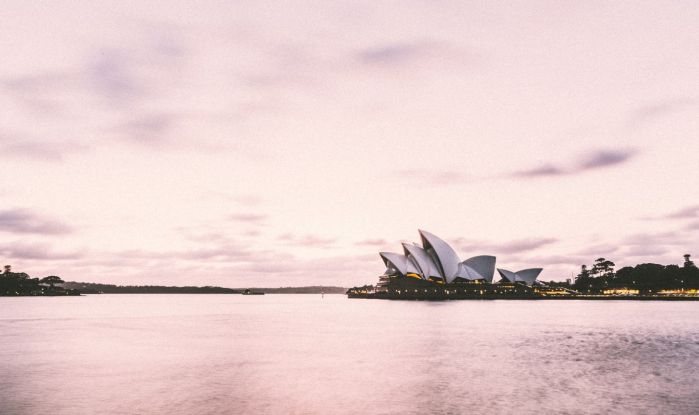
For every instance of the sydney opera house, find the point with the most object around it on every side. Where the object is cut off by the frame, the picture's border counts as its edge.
(433, 270)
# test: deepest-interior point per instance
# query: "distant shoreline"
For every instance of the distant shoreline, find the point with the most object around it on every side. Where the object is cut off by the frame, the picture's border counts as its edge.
(96, 288)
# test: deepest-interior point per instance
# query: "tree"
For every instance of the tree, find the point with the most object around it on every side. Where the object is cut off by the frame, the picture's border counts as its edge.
(584, 272)
(51, 280)
(583, 282)
(603, 268)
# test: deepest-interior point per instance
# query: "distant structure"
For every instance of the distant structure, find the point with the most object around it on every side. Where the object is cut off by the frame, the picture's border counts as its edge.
(8, 269)
(433, 270)
(526, 276)
(687, 262)
(436, 261)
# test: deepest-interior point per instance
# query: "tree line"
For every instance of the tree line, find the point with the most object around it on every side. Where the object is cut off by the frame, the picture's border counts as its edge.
(646, 278)
(20, 283)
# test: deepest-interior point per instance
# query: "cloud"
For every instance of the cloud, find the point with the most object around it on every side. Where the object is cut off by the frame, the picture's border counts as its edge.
(686, 213)
(372, 242)
(592, 161)
(598, 250)
(41, 93)
(605, 158)
(414, 53)
(562, 259)
(111, 76)
(38, 150)
(543, 171)
(671, 238)
(248, 217)
(394, 52)
(511, 247)
(661, 109)
(149, 129)
(689, 212)
(18, 250)
(433, 177)
(308, 241)
(693, 226)
(644, 250)
(127, 82)
(26, 221)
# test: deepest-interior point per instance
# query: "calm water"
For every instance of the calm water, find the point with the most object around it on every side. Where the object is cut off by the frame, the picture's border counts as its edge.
(278, 354)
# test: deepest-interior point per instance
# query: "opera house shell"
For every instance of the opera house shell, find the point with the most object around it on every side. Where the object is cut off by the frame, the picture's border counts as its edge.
(437, 261)
(526, 276)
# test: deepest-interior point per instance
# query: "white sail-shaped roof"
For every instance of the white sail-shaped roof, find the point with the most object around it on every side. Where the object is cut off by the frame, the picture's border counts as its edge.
(527, 276)
(484, 265)
(423, 261)
(507, 275)
(411, 267)
(467, 273)
(443, 255)
(395, 262)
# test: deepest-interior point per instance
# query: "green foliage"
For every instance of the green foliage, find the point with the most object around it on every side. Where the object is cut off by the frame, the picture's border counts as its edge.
(51, 280)
(647, 278)
(19, 283)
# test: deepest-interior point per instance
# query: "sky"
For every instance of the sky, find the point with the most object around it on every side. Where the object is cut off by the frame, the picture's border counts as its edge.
(287, 143)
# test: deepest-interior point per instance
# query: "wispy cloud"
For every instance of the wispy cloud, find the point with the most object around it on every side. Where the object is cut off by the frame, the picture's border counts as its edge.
(685, 213)
(148, 129)
(510, 247)
(415, 53)
(670, 238)
(661, 109)
(307, 241)
(18, 250)
(592, 161)
(37, 149)
(542, 171)
(688, 212)
(605, 158)
(693, 226)
(126, 82)
(644, 251)
(372, 242)
(395, 52)
(26, 221)
(248, 217)
(433, 177)
(111, 76)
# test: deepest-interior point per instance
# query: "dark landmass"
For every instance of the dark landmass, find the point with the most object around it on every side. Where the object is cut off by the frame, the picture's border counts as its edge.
(314, 289)
(94, 288)
(21, 284)
(646, 279)
(16, 284)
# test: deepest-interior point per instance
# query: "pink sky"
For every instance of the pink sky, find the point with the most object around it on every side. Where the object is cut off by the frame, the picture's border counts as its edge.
(268, 144)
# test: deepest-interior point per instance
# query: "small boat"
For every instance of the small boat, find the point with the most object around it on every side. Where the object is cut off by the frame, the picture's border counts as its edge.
(248, 292)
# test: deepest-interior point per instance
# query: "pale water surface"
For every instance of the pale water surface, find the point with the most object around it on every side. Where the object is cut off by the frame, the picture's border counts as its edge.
(279, 354)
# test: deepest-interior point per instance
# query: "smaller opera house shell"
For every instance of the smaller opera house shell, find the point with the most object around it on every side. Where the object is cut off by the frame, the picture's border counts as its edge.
(437, 262)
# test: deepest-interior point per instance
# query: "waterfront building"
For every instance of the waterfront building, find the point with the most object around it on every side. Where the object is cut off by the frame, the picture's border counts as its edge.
(525, 276)
(433, 270)
(620, 291)
(437, 261)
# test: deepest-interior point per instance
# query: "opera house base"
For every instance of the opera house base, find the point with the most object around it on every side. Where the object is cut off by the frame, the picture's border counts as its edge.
(406, 288)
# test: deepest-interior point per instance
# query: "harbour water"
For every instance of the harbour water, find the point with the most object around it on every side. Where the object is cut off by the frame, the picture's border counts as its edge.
(303, 354)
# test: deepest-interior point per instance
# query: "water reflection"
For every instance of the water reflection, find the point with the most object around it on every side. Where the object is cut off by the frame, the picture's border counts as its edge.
(210, 354)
